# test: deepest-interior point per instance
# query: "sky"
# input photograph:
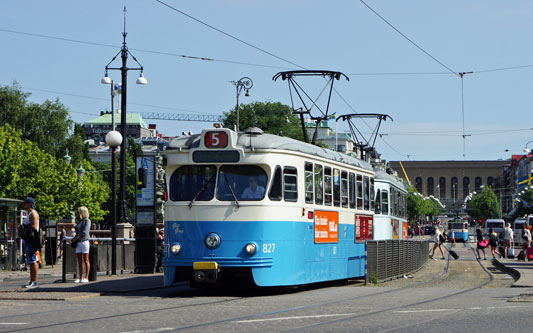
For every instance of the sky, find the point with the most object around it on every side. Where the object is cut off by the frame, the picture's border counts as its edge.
(403, 63)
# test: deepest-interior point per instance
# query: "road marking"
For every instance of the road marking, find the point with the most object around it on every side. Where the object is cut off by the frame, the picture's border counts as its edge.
(14, 323)
(431, 310)
(163, 329)
(298, 317)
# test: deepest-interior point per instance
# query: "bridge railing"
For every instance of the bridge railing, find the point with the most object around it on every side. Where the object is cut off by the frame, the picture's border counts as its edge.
(390, 259)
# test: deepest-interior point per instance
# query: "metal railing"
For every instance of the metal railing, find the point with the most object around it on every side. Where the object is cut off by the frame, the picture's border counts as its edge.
(389, 259)
(125, 255)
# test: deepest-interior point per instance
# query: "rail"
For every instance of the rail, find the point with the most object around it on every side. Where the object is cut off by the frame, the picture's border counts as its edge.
(101, 248)
(389, 259)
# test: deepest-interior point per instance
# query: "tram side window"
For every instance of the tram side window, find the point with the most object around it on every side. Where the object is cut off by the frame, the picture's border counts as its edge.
(193, 182)
(319, 189)
(309, 194)
(336, 187)
(241, 182)
(378, 202)
(371, 194)
(403, 208)
(366, 197)
(352, 190)
(275, 188)
(344, 189)
(359, 192)
(290, 184)
(327, 186)
(385, 202)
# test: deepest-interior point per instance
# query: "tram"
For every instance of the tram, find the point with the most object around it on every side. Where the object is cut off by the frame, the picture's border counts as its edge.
(265, 208)
(390, 219)
(458, 230)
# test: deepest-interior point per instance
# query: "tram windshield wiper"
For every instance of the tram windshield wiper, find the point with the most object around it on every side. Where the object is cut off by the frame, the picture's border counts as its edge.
(202, 190)
(231, 190)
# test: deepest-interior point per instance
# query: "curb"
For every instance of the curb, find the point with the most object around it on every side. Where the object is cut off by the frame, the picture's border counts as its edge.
(513, 272)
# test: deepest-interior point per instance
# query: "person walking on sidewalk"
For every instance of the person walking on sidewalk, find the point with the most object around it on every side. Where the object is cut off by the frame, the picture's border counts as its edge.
(525, 239)
(82, 244)
(493, 242)
(439, 239)
(481, 244)
(32, 241)
(507, 239)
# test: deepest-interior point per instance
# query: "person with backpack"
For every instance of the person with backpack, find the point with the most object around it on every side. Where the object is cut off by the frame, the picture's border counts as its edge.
(493, 242)
(438, 239)
(32, 242)
(525, 239)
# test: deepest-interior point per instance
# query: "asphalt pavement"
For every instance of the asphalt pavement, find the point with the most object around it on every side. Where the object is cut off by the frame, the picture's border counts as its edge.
(52, 288)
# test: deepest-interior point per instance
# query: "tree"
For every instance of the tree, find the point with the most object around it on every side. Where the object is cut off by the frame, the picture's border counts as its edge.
(420, 206)
(483, 205)
(25, 170)
(524, 204)
(48, 124)
(274, 118)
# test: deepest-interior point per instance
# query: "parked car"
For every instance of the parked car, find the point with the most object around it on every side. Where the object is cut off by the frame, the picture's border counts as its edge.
(429, 230)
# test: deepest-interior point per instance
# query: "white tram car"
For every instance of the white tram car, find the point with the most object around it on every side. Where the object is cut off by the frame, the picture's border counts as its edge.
(271, 209)
(390, 219)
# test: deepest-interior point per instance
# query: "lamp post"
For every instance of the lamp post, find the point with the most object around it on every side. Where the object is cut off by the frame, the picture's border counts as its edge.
(123, 216)
(526, 149)
(243, 83)
(114, 90)
(113, 140)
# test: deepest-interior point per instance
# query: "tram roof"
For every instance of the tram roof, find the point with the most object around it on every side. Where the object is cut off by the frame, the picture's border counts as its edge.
(381, 174)
(275, 142)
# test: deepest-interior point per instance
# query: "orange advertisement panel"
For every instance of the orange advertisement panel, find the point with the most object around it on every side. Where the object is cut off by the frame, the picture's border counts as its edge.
(395, 228)
(326, 226)
(405, 228)
(364, 228)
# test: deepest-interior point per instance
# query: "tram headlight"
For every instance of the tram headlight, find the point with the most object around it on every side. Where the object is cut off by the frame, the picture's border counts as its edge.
(212, 240)
(175, 249)
(250, 248)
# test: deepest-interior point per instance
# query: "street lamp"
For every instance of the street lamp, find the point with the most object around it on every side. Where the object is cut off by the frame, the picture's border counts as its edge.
(243, 83)
(123, 211)
(80, 171)
(67, 157)
(115, 89)
(113, 140)
(526, 149)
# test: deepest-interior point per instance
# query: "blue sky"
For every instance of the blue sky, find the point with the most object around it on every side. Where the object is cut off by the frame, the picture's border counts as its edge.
(388, 74)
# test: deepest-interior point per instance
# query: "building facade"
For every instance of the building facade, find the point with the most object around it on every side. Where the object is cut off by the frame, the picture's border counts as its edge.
(452, 181)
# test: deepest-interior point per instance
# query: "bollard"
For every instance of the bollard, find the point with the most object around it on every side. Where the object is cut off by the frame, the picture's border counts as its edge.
(93, 261)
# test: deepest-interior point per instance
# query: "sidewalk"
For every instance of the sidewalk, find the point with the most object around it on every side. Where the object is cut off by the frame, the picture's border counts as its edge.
(519, 269)
(51, 287)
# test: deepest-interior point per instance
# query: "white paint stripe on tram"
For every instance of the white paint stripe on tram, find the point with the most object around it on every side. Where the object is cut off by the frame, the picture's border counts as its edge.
(298, 317)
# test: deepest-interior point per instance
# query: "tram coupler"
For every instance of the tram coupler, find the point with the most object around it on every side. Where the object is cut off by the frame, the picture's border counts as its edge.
(206, 272)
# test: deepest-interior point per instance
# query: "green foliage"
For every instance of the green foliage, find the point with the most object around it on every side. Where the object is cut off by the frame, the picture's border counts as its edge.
(27, 171)
(419, 206)
(483, 205)
(522, 205)
(274, 118)
(373, 278)
(47, 124)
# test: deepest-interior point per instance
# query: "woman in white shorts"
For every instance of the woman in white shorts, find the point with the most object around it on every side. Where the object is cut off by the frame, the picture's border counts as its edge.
(82, 246)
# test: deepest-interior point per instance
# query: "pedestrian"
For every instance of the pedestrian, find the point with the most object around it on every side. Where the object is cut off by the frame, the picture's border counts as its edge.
(438, 239)
(32, 241)
(82, 244)
(481, 244)
(507, 239)
(160, 249)
(525, 239)
(62, 236)
(493, 242)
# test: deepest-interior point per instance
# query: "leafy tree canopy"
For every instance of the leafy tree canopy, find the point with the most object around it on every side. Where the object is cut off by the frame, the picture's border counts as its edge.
(420, 206)
(524, 204)
(483, 205)
(274, 118)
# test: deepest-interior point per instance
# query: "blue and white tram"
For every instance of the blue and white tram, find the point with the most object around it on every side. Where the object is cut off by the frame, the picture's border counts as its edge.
(390, 219)
(458, 230)
(268, 208)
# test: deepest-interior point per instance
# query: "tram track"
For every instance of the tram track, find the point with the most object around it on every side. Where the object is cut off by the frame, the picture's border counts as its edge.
(251, 317)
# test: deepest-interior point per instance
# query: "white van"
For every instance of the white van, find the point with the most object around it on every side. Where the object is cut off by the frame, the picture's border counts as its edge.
(517, 226)
(497, 224)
